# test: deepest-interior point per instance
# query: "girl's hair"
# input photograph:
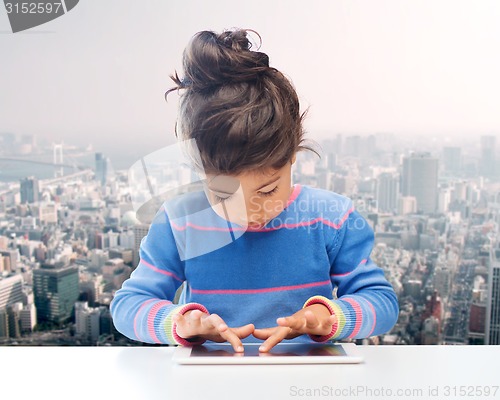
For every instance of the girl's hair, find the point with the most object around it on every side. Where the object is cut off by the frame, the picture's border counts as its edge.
(243, 114)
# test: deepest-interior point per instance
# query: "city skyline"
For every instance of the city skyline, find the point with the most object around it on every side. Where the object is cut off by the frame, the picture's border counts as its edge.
(436, 256)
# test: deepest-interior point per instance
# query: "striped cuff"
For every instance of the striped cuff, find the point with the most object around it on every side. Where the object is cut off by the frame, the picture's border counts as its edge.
(171, 326)
(334, 310)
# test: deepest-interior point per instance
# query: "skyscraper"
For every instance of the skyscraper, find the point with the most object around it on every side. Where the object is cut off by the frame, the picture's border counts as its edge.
(487, 158)
(492, 334)
(140, 230)
(387, 192)
(419, 178)
(30, 192)
(102, 168)
(11, 290)
(56, 291)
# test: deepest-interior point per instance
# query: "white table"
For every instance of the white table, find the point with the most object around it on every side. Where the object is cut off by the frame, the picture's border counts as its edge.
(143, 373)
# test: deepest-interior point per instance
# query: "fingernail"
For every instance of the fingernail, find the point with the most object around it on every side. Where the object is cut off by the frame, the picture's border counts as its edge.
(240, 348)
(262, 348)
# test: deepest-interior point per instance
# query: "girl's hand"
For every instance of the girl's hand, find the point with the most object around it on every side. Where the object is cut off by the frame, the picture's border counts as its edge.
(314, 320)
(196, 323)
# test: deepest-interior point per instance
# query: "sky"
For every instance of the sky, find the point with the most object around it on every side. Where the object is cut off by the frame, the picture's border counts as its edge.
(98, 74)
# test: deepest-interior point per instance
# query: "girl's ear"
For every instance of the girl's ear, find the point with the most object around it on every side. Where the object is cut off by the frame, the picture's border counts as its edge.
(294, 158)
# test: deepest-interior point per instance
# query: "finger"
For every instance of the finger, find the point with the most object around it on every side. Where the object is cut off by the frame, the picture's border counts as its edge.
(233, 339)
(194, 314)
(244, 331)
(274, 339)
(301, 324)
(310, 323)
(310, 320)
(177, 318)
(322, 328)
(291, 322)
(263, 333)
(331, 319)
(214, 323)
(328, 322)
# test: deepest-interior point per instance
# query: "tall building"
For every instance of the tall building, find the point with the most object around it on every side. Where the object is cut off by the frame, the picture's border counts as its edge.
(11, 290)
(487, 164)
(56, 291)
(419, 178)
(477, 319)
(140, 230)
(492, 334)
(127, 239)
(30, 192)
(87, 321)
(444, 199)
(387, 192)
(28, 318)
(91, 286)
(11, 297)
(4, 242)
(4, 323)
(103, 169)
(8, 260)
(14, 319)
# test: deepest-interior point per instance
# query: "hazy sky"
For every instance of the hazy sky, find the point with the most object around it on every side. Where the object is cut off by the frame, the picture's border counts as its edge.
(98, 74)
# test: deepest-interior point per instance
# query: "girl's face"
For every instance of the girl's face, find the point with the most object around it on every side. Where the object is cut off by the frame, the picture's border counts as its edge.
(250, 199)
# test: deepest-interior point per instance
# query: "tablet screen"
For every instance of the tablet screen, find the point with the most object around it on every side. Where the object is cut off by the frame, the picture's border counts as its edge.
(299, 349)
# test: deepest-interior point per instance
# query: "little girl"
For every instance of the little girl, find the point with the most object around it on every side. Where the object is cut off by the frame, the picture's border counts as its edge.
(260, 256)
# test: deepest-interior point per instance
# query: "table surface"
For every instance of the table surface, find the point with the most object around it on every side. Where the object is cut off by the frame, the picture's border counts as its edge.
(143, 373)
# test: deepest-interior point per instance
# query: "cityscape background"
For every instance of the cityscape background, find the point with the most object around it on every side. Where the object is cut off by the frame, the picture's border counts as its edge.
(69, 235)
(402, 98)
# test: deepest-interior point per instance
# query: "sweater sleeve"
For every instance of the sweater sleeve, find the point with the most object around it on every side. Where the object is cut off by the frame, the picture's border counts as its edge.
(142, 309)
(366, 303)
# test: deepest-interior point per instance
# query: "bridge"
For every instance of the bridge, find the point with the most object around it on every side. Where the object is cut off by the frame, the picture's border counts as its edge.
(38, 162)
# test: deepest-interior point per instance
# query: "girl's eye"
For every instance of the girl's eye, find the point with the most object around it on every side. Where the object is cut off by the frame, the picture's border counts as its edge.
(269, 193)
(219, 199)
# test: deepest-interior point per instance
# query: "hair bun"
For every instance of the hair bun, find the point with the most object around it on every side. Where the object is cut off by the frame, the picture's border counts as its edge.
(211, 60)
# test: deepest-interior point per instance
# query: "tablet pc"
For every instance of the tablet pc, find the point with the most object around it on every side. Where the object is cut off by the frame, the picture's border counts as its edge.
(282, 353)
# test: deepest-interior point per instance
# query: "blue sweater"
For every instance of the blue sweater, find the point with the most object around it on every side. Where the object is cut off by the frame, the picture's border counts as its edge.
(318, 242)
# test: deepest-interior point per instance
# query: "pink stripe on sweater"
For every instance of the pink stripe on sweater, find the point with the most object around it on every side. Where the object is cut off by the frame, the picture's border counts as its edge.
(202, 228)
(359, 315)
(264, 290)
(161, 271)
(151, 317)
(137, 314)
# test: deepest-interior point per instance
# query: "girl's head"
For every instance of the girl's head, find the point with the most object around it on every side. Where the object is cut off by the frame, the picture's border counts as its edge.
(243, 114)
